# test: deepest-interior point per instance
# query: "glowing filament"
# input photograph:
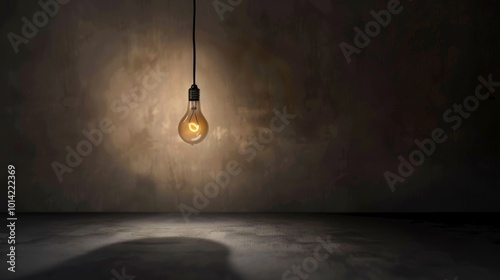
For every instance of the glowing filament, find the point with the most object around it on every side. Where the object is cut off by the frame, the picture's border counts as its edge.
(193, 127)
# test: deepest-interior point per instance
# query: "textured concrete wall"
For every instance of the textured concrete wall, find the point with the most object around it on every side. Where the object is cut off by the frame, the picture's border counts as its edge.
(352, 120)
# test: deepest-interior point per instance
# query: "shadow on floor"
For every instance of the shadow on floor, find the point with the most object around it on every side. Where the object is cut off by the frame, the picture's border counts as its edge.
(149, 259)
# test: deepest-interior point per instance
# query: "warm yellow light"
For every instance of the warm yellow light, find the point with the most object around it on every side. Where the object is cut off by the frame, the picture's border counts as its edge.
(193, 127)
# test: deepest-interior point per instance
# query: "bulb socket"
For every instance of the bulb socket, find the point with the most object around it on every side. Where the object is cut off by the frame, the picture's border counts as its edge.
(194, 93)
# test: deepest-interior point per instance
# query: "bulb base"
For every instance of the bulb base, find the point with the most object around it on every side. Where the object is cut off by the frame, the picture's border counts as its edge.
(194, 93)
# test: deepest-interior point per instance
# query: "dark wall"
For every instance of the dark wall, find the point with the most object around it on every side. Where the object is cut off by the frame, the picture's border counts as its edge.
(351, 121)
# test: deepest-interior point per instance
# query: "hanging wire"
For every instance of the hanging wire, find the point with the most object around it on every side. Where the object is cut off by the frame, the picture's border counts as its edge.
(194, 42)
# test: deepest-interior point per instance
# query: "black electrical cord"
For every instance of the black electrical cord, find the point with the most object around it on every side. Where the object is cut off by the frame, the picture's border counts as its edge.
(194, 42)
(194, 91)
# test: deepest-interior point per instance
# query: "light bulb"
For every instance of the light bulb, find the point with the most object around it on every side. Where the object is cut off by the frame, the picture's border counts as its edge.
(193, 127)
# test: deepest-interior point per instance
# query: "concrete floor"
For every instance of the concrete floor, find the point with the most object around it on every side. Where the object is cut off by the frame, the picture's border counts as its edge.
(213, 246)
